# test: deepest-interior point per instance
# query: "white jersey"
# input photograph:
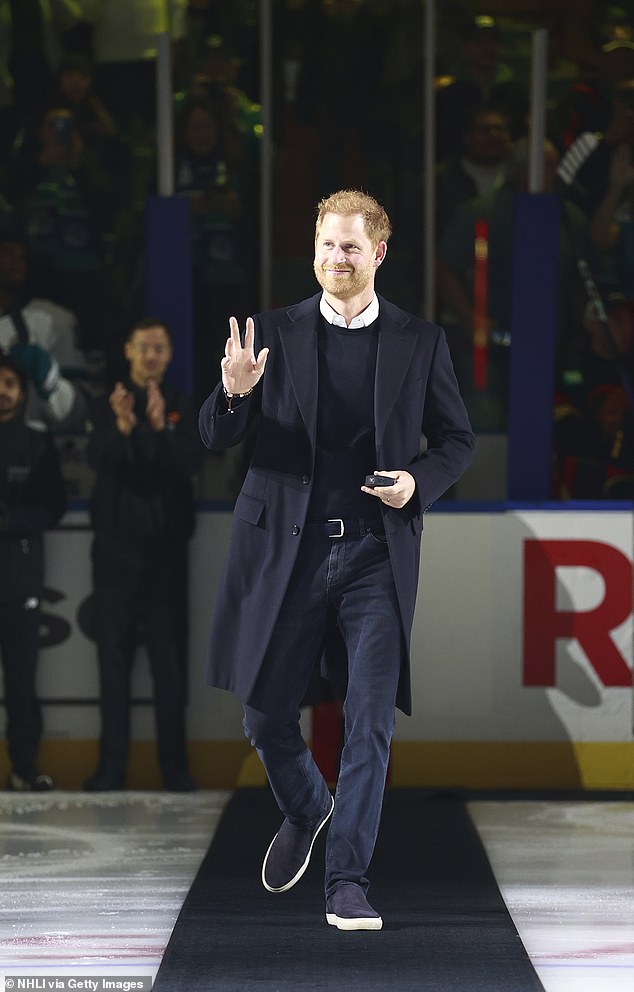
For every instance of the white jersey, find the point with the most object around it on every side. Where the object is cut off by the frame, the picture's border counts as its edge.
(52, 328)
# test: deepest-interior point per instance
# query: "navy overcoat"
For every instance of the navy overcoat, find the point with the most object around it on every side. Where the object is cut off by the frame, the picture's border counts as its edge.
(421, 425)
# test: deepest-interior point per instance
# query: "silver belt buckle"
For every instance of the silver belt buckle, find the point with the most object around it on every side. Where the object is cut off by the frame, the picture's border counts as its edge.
(336, 520)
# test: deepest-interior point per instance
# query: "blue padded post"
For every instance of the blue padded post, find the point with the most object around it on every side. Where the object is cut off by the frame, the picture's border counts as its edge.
(168, 286)
(533, 338)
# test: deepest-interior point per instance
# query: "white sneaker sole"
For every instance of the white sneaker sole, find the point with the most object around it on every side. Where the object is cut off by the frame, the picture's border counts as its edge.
(296, 877)
(357, 923)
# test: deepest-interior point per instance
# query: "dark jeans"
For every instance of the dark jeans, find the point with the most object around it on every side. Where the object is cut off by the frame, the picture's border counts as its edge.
(352, 580)
(145, 587)
(19, 630)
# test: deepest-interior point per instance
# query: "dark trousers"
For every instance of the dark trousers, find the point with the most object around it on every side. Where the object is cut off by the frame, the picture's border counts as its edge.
(19, 630)
(141, 588)
(352, 581)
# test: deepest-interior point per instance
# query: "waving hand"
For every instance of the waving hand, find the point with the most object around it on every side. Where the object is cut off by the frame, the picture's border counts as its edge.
(241, 370)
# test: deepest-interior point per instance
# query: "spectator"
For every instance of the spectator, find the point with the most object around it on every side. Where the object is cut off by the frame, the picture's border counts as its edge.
(455, 263)
(590, 104)
(225, 38)
(211, 170)
(584, 171)
(294, 26)
(481, 80)
(98, 129)
(41, 335)
(67, 199)
(612, 226)
(400, 114)
(215, 72)
(479, 170)
(31, 500)
(124, 44)
(345, 42)
(143, 450)
(31, 44)
(594, 421)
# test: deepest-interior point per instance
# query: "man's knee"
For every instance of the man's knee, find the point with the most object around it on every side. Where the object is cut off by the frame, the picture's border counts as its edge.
(263, 729)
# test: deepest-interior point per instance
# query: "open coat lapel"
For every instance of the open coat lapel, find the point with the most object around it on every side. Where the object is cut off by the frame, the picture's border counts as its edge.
(298, 335)
(394, 354)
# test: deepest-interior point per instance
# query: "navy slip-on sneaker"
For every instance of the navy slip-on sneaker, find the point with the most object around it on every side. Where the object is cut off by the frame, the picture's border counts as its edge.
(289, 854)
(348, 909)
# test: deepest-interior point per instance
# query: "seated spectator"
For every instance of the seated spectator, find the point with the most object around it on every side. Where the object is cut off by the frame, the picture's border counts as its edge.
(345, 40)
(75, 91)
(216, 70)
(124, 38)
(32, 499)
(583, 175)
(612, 226)
(455, 265)
(212, 172)
(594, 419)
(479, 169)
(481, 80)
(32, 35)
(590, 103)
(67, 199)
(41, 335)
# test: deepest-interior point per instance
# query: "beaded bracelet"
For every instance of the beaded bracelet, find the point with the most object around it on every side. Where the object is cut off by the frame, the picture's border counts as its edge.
(235, 396)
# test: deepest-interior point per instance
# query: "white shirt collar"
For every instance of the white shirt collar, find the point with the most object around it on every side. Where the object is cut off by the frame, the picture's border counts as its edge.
(367, 316)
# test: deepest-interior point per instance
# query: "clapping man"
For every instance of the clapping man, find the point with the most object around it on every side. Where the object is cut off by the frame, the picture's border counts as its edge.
(144, 452)
(32, 499)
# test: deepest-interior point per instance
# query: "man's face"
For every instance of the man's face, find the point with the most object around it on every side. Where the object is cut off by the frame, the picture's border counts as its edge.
(74, 84)
(488, 140)
(149, 352)
(11, 394)
(345, 259)
(201, 132)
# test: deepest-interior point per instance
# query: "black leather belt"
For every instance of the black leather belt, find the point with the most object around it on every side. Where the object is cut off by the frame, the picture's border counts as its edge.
(343, 527)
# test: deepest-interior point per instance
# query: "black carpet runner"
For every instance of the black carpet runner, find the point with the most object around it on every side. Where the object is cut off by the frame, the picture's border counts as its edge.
(445, 925)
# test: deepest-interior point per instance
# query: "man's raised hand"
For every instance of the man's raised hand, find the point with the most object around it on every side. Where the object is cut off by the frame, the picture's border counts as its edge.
(122, 404)
(241, 370)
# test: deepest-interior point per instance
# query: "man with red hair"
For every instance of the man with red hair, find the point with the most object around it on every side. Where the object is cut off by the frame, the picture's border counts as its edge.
(358, 427)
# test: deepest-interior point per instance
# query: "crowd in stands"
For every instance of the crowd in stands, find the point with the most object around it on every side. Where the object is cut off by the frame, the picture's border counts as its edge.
(78, 157)
(483, 123)
(78, 162)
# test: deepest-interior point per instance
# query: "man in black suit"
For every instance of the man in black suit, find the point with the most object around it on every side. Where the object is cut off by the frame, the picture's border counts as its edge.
(351, 383)
(32, 499)
(144, 453)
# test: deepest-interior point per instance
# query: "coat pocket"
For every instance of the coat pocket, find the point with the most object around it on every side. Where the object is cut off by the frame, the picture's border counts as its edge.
(249, 509)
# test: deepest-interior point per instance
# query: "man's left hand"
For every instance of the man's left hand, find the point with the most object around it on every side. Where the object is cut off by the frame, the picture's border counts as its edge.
(397, 495)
